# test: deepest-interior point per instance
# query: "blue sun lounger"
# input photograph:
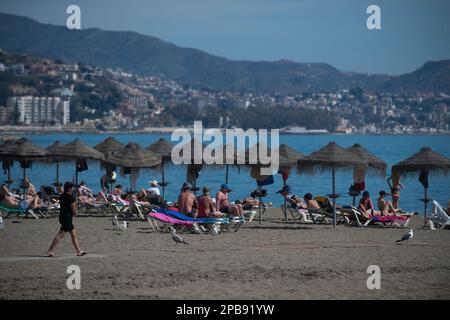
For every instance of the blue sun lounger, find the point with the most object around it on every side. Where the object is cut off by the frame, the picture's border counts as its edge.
(221, 221)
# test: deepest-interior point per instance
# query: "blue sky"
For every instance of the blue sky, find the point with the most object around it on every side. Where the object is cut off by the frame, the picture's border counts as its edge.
(329, 31)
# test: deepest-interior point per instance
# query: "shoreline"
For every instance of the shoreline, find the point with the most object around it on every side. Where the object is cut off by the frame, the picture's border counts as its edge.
(11, 130)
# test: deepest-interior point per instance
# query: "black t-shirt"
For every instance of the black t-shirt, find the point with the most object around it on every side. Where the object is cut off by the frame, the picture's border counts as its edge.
(65, 201)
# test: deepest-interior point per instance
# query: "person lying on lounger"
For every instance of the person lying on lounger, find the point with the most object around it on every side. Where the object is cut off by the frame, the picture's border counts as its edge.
(253, 202)
(12, 200)
(295, 202)
(85, 195)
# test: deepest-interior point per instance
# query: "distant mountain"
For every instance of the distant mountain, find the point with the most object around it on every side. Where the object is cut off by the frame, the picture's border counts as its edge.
(432, 76)
(148, 55)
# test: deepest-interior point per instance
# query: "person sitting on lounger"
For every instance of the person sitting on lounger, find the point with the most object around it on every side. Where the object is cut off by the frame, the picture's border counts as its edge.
(223, 204)
(366, 204)
(118, 190)
(206, 207)
(310, 202)
(386, 207)
(295, 202)
(187, 202)
(153, 190)
(31, 190)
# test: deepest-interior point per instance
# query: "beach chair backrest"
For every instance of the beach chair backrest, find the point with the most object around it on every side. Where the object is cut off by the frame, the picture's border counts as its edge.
(439, 212)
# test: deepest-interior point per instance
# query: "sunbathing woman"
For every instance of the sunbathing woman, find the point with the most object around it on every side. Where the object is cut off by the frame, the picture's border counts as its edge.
(395, 187)
(7, 198)
(366, 204)
(31, 190)
(386, 207)
(85, 195)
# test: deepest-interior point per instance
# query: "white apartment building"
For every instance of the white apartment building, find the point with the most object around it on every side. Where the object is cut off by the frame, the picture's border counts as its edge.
(41, 110)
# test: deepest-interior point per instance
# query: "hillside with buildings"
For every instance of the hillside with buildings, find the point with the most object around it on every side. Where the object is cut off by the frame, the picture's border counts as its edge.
(52, 95)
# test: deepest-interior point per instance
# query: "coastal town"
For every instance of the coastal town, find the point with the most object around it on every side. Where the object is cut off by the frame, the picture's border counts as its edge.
(49, 95)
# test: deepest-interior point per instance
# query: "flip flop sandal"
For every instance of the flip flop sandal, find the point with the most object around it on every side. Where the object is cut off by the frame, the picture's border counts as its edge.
(51, 254)
(82, 253)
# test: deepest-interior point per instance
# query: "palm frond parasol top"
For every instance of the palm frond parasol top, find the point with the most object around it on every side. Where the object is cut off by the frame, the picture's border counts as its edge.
(373, 162)
(76, 150)
(133, 156)
(329, 157)
(22, 149)
(108, 145)
(163, 148)
(425, 159)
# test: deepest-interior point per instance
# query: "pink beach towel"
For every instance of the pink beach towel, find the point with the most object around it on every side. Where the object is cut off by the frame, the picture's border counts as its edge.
(163, 218)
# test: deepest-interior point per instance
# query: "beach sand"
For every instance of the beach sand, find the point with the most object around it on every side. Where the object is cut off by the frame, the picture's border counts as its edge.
(275, 260)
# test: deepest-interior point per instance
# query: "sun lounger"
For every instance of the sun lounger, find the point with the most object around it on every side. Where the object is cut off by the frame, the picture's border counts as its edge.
(251, 211)
(364, 219)
(438, 216)
(154, 217)
(223, 222)
(18, 211)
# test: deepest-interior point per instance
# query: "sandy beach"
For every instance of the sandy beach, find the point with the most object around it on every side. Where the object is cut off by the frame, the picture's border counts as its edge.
(275, 260)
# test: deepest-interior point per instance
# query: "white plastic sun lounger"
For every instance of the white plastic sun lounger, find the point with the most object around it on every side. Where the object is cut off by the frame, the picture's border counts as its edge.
(438, 216)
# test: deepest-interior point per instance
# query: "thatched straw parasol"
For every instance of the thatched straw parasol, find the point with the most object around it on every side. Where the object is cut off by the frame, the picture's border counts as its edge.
(288, 158)
(6, 163)
(255, 168)
(132, 156)
(108, 145)
(373, 162)
(331, 157)
(163, 148)
(228, 159)
(194, 166)
(55, 148)
(423, 162)
(24, 151)
(76, 150)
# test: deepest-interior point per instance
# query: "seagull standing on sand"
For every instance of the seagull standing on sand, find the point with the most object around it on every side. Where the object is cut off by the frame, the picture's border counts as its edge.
(117, 225)
(406, 237)
(175, 237)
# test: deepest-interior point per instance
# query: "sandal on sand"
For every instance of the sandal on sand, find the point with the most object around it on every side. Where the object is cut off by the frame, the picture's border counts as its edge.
(82, 253)
(51, 254)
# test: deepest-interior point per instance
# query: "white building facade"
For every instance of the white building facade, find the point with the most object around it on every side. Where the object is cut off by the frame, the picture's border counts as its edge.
(41, 110)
